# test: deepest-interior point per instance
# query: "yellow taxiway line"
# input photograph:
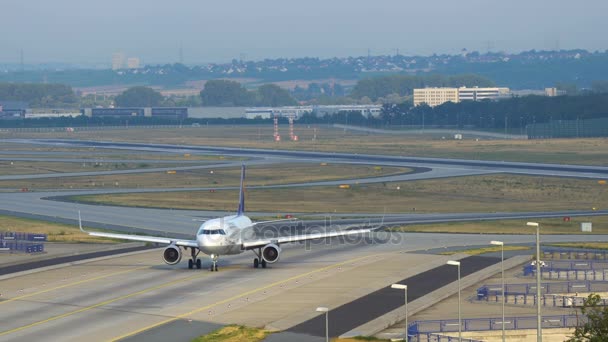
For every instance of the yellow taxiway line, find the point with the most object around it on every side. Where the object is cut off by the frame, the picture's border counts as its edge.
(103, 303)
(189, 313)
(71, 284)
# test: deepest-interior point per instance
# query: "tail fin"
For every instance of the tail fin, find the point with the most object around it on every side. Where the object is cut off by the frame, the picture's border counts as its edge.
(241, 209)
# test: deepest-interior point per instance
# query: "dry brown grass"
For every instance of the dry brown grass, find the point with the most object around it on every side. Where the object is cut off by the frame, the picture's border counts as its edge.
(586, 245)
(56, 232)
(566, 151)
(489, 193)
(256, 175)
(234, 333)
(38, 167)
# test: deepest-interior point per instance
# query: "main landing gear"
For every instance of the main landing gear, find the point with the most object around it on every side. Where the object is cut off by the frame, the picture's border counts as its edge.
(194, 260)
(259, 260)
(214, 262)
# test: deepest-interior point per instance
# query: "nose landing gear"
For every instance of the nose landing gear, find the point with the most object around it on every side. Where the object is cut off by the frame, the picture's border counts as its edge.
(214, 262)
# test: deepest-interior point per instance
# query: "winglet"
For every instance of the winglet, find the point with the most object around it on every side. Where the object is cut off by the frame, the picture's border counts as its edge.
(80, 223)
(241, 209)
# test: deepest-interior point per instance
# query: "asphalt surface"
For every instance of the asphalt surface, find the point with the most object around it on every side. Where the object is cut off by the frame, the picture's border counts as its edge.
(362, 310)
(65, 259)
(146, 293)
(600, 170)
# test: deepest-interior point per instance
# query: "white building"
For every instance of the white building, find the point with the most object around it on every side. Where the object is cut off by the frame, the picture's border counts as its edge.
(133, 63)
(435, 96)
(118, 60)
(478, 94)
(263, 113)
(554, 92)
(365, 110)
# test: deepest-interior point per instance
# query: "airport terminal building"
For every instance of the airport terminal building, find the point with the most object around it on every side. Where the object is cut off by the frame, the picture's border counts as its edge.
(437, 96)
(296, 112)
(177, 113)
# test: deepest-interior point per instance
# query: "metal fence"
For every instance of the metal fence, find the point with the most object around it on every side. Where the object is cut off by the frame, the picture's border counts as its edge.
(568, 129)
(22, 242)
(573, 254)
(546, 288)
(17, 236)
(26, 247)
(422, 328)
(566, 265)
(431, 337)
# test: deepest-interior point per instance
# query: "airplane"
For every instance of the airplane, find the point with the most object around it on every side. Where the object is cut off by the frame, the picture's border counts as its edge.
(226, 235)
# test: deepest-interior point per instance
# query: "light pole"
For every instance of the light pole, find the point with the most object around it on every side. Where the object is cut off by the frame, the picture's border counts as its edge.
(502, 276)
(457, 263)
(404, 288)
(326, 310)
(539, 331)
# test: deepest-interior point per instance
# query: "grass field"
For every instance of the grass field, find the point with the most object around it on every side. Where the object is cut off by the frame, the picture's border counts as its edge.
(256, 175)
(548, 226)
(238, 333)
(56, 232)
(586, 245)
(38, 167)
(564, 151)
(489, 193)
(234, 333)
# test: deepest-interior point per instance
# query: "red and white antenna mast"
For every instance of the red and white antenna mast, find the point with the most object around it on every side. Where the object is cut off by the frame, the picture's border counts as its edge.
(276, 135)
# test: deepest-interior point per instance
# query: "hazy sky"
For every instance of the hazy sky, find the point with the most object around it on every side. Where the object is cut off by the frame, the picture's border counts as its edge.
(86, 31)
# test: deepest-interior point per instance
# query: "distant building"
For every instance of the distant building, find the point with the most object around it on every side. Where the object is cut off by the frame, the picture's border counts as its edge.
(162, 112)
(554, 92)
(478, 94)
(133, 63)
(296, 112)
(365, 110)
(262, 113)
(435, 96)
(50, 115)
(118, 61)
(13, 109)
(169, 112)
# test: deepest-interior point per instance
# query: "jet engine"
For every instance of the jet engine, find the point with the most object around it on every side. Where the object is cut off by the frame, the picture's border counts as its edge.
(172, 255)
(271, 253)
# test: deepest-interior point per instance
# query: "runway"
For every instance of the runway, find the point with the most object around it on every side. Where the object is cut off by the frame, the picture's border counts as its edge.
(120, 297)
(123, 297)
(50, 204)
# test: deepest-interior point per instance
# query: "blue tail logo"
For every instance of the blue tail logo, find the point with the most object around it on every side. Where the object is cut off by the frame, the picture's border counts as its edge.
(241, 209)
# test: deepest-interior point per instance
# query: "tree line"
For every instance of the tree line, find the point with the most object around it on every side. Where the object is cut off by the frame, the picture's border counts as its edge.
(512, 113)
(40, 95)
(404, 85)
(231, 93)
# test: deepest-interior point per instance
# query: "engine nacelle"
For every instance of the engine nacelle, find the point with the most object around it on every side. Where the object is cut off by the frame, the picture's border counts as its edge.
(172, 255)
(271, 253)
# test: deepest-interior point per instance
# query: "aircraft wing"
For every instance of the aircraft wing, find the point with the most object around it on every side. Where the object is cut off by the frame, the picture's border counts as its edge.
(143, 238)
(304, 237)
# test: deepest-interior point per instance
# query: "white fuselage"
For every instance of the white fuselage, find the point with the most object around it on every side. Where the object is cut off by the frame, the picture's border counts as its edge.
(224, 235)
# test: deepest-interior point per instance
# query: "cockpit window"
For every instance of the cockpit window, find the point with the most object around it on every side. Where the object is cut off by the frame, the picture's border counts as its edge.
(212, 232)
